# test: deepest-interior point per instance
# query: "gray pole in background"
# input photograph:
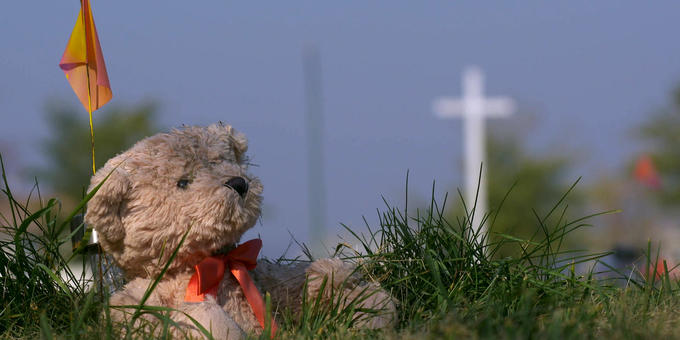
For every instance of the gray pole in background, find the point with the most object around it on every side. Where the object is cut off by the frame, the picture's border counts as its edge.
(315, 162)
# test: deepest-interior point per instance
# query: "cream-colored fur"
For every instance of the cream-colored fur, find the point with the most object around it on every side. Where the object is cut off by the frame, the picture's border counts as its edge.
(142, 211)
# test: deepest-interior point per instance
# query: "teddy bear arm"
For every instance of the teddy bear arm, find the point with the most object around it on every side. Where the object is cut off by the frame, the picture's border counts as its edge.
(343, 283)
(123, 302)
(378, 309)
(207, 313)
(118, 301)
(284, 283)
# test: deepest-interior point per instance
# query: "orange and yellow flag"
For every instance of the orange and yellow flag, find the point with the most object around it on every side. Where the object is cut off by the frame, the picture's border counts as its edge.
(83, 62)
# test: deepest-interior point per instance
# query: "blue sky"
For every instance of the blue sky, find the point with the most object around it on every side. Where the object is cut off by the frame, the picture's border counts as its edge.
(587, 72)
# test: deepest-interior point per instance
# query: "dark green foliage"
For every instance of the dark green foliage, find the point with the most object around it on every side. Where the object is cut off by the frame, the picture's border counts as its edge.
(660, 133)
(448, 286)
(68, 150)
(433, 266)
(522, 186)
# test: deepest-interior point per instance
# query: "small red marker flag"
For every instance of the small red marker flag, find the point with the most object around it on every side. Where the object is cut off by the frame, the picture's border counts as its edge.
(645, 172)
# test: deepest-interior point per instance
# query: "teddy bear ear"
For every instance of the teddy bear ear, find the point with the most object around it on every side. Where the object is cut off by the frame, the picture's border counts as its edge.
(103, 209)
(239, 143)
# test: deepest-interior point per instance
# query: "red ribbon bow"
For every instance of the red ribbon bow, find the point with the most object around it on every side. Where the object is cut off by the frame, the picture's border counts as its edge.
(210, 271)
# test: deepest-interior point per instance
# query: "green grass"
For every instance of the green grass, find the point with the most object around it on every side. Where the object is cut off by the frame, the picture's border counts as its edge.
(447, 284)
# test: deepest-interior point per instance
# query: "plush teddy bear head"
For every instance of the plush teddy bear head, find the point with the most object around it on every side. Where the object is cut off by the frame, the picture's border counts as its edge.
(193, 180)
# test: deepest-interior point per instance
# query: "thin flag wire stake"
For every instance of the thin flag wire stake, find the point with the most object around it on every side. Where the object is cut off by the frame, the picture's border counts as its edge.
(93, 239)
(89, 91)
(83, 51)
(89, 111)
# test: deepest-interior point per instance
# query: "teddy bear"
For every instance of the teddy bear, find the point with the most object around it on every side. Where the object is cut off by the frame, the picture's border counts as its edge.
(187, 193)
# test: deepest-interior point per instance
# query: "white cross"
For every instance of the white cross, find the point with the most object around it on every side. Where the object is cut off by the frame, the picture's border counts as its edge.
(474, 107)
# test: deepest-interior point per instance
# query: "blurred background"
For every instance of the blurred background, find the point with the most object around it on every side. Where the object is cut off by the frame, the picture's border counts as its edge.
(336, 100)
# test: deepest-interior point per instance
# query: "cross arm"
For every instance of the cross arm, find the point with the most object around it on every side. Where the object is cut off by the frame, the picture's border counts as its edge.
(447, 107)
(499, 107)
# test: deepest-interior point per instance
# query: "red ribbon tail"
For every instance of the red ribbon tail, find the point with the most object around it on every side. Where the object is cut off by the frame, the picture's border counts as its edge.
(252, 294)
(193, 292)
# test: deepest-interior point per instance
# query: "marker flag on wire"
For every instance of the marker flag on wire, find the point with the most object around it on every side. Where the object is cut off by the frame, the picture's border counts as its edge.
(83, 65)
(645, 172)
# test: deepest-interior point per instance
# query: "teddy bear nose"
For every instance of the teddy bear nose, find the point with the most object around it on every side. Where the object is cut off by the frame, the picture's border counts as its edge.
(239, 184)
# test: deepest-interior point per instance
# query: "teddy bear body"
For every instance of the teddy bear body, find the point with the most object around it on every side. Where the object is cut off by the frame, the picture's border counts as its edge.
(229, 308)
(194, 182)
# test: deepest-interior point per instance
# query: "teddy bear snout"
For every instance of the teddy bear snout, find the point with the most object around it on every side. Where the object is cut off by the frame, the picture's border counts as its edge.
(238, 184)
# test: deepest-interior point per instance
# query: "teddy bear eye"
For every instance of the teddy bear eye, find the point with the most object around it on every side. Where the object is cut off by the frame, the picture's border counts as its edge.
(182, 183)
